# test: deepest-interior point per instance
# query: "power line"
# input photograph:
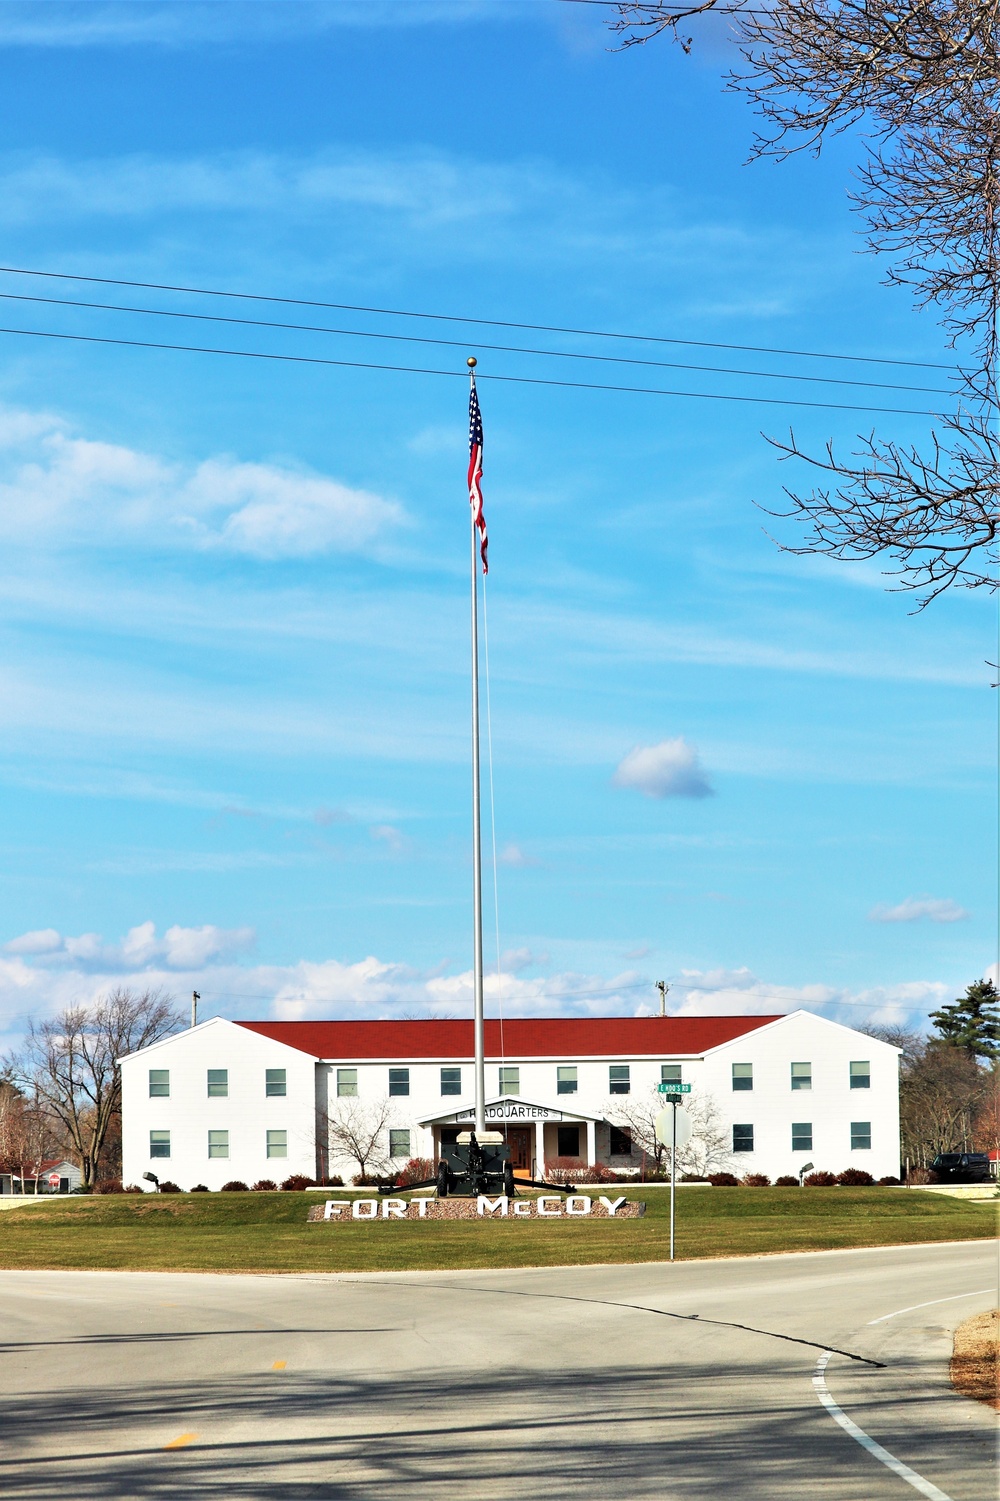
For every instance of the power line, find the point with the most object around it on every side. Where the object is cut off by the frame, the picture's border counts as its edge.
(520, 380)
(547, 328)
(565, 354)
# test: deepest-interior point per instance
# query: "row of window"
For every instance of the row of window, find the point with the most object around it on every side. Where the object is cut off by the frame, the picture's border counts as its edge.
(802, 1137)
(276, 1144)
(509, 1079)
(275, 1083)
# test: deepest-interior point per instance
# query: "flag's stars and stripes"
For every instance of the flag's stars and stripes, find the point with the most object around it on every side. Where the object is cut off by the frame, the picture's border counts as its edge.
(476, 471)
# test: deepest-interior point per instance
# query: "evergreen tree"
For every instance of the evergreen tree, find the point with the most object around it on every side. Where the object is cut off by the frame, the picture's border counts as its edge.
(972, 1022)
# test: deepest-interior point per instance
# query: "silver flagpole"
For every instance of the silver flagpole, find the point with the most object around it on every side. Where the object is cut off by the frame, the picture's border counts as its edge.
(477, 860)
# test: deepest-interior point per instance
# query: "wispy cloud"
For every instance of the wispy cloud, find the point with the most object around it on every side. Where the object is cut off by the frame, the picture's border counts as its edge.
(920, 909)
(668, 769)
(515, 858)
(179, 948)
(61, 488)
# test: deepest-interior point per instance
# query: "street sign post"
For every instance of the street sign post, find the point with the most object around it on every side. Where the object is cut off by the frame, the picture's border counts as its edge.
(674, 1088)
(673, 1132)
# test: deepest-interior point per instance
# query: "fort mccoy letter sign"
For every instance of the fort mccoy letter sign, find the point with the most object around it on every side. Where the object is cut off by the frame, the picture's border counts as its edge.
(545, 1207)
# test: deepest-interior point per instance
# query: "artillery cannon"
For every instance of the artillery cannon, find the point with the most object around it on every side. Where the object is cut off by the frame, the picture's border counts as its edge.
(475, 1165)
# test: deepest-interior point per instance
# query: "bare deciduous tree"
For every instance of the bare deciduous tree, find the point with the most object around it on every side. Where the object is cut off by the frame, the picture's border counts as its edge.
(710, 1148)
(922, 77)
(27, 1137)
(359, 1129)
(638, 1113)
(69, 1064)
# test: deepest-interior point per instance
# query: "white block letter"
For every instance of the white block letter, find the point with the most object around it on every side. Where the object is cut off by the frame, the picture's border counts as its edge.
(522, 1207)
(612, 1205)
(394, 1209)
(580, 1200)
(333, 1208)
(548, 1199)
(490, 1206)
(365, 1209)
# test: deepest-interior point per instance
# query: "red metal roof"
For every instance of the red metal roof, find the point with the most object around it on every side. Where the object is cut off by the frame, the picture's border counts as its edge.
(549, 1037)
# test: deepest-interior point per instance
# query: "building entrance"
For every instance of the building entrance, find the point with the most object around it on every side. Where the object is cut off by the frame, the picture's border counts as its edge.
(519, 1141)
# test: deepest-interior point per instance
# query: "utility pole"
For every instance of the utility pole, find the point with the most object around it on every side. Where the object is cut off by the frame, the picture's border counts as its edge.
(195, 998)
(663, 987)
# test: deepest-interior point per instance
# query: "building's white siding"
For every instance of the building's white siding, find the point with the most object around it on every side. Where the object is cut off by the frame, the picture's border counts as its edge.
(829, 1107)
(246, 1112)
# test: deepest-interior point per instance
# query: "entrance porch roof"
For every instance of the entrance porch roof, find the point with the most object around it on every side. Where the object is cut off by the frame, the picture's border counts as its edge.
(510, 1110)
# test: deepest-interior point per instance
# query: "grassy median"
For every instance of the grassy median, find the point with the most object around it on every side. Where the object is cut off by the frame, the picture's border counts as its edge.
(267, 1232)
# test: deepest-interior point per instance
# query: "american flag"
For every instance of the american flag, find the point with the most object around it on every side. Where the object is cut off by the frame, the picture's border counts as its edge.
(476, 471)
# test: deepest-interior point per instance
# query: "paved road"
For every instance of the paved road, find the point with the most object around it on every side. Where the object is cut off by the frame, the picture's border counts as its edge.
(498, 1385)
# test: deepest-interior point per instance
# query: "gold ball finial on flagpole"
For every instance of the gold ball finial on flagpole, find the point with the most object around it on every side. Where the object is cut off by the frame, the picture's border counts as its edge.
(472, 362)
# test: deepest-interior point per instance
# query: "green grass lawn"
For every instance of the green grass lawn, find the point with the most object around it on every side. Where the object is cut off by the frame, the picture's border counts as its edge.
(267, 1232)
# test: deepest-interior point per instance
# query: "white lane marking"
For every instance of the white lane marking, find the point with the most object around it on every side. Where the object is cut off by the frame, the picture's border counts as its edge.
(914, 1306)
(874, 1449)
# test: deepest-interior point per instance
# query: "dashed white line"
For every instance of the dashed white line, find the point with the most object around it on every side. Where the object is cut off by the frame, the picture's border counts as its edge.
(925, 1487)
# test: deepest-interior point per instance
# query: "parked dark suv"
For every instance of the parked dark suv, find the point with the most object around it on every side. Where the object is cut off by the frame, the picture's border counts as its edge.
(961, 1167)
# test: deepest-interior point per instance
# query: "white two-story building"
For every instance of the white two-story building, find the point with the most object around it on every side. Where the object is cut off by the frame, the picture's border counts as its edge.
(252, 1101)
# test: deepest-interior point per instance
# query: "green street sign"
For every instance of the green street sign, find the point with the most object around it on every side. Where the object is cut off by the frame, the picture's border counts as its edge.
(675, 1088)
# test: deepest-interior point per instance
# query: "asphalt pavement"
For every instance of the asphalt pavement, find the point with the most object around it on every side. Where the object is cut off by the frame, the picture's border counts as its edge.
(649, 1382)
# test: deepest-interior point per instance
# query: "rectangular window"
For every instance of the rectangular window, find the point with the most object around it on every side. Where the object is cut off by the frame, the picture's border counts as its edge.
(568, 1141)
(802, 1136)
(861, 1136)
(159, 1083)
(218, 1083)
(218, 1143)
(802, 1076)
(274, 1082)
(566, 1078)
(399, 1143)
(510, 1079)
(861, 1075)
(743, 1138)
(347, 1082)
(159, 1143)
(618, 1078)
(277, 1143)
(670, 1073)
(451, 1081)
(743, 1076)
(399, 1081)
(621, 1141)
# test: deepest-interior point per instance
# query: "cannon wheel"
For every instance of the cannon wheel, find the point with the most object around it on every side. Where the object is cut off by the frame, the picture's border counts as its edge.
(442, 1180)
(508, 1180)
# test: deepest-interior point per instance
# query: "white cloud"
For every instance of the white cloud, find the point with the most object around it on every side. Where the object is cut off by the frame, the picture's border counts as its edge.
(669, 769)
(68, 489)
(513, 856)
(920, 909)
(387, 834)
(141, 947)
(738, 992)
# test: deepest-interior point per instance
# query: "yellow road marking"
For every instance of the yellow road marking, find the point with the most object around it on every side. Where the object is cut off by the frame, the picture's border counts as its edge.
(279, 1365)
(181, 1441)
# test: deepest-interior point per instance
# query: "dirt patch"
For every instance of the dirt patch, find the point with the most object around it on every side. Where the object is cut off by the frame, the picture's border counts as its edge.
(974, 1369)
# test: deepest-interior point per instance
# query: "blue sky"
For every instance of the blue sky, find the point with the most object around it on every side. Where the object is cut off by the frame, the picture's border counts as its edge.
(233, 594)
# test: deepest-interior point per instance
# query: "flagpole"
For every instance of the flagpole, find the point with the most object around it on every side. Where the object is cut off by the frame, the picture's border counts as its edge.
(477, 861)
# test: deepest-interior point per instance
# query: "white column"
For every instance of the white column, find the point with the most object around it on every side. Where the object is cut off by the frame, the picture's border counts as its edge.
(540, 1148)
(591, 1143)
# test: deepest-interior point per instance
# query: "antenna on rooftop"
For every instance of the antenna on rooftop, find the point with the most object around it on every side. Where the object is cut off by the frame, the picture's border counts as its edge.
(195, 998)
(663, 987)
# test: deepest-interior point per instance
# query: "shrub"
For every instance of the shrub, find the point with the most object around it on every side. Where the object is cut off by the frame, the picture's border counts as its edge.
(723, 1180)
(599, 1172)
(564, 1170)
(169, 1188)
(235, 1186)
(756, 1180)
(417, 1170)
(200, 1188)
(296, 1182)
(264, 1185)
(692, 1178)
(362, 1180)
(920, 1176)
(854, 1177)
(786, 1181)
(889, 1182)
(335, 1182)
(109, 1186)
(133, 1188)
(820, 1180)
